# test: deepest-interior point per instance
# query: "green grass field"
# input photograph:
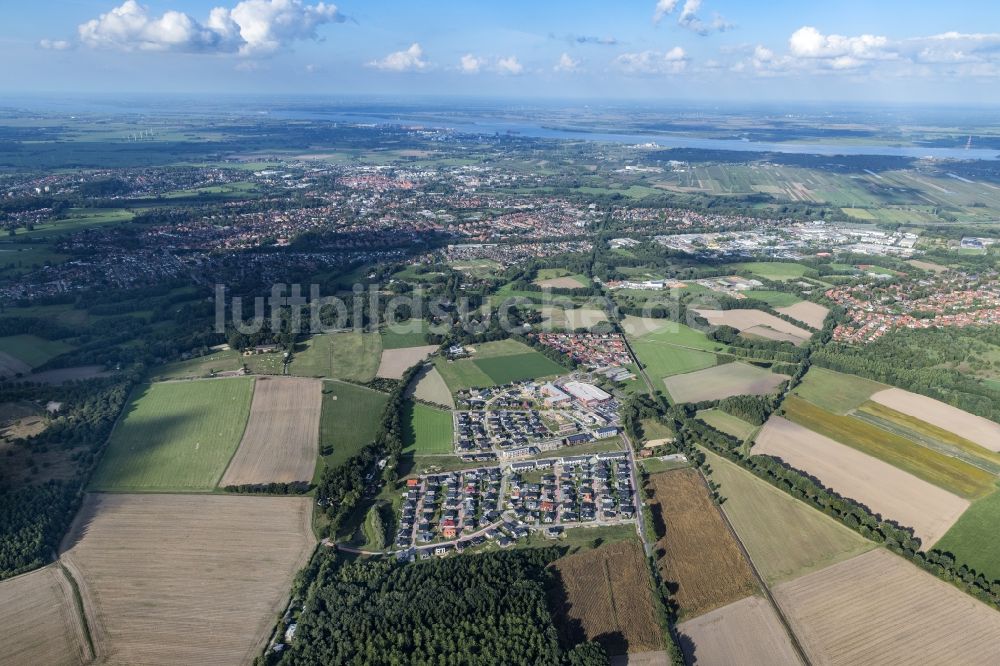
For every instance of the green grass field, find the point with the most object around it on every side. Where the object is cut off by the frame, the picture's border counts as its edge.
(973, 539)
(727, 423)
(313, 357)
(785, 537)
(663, 360)
(202, 366)
(529, 365)
(461, 374)
(426, 430)
(411, 333)
(32, 349)
(176, 436)
(654, 428)
(266, 364)
(943, 471)
(349, 420)
(835, 391)
(355, 355)
(772, 270)
(681, 335)
(776, 299)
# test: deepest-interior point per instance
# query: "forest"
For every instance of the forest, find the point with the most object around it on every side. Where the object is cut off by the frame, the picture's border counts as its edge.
(480, 609)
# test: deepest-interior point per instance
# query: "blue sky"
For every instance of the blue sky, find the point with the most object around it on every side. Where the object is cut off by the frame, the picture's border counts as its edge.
(884, 51)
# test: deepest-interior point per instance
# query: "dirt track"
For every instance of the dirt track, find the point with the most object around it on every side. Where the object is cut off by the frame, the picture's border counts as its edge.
(895, 494)
(281, 440)
(186, 579)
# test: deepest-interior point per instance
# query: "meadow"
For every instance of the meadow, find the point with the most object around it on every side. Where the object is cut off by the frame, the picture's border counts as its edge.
(200, 366)
(493, 363)
(33, 350)
(664, 360)
(426, 430)
(835, 391)
(410, 333)
(354, 355)
(176, 436)
(349, 419)
(972, 539)
(776, 271)
(727, 423)
(786, 538)
(530, 365)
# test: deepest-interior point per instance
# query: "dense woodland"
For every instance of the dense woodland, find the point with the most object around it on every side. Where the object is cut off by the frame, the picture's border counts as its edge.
(479, 609)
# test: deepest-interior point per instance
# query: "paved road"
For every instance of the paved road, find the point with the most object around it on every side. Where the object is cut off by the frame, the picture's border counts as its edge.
(637, 490)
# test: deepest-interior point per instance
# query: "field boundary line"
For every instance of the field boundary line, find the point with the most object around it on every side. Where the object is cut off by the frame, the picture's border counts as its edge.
(760, 579)
(81, 611)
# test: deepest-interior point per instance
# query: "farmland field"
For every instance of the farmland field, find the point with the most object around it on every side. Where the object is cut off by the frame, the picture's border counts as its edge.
(885, 489)
(757, 322)
(573, 318)
(636, 327)
(879, 609)
(608, 599)
(426, 430)
(722, 381)
(430, 386)
(280, 441)
(786, 538)
(772, 270)
(349, 420)
(976, 429)
(170, 579)
(973, 538)
(695, 548)
(727, 423)
(674, 333)
(835, 391)
(41, 624)
(176, 436)
(807, 312)
(664, 360)
(201, 366)
(744, 632)
(410, 333)
(395, 362)
(313, 357)
(355, 355)
(461, 374)
(529, 365)
(776, 299)
(33, 350)
(942, 470)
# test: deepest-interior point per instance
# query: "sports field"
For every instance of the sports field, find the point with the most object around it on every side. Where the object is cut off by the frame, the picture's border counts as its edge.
(426, 430)
(942, 470)
(835, 391)
(786, 538)
(176, 436)
(722, 381)
(348, 421)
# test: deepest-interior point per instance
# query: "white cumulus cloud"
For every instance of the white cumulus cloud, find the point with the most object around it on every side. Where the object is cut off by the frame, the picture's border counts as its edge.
(688, 16)
(410, 60)
(470, 64)
(251, 27)
(673, 61)
(55, 44)
(509, 65)
(566, 63)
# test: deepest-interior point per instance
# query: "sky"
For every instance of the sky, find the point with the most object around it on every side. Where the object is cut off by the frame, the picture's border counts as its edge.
(879, 51)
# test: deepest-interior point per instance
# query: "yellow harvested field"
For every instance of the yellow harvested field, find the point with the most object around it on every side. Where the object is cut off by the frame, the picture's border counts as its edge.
(395, 362)
(186, 579)
(879, 609)
(744, 632)
(40, 622)
(807, 312)
(430, 386)
(885, 489)
(281, 440)
(573, 318)
(974, 428)
(758, 320)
